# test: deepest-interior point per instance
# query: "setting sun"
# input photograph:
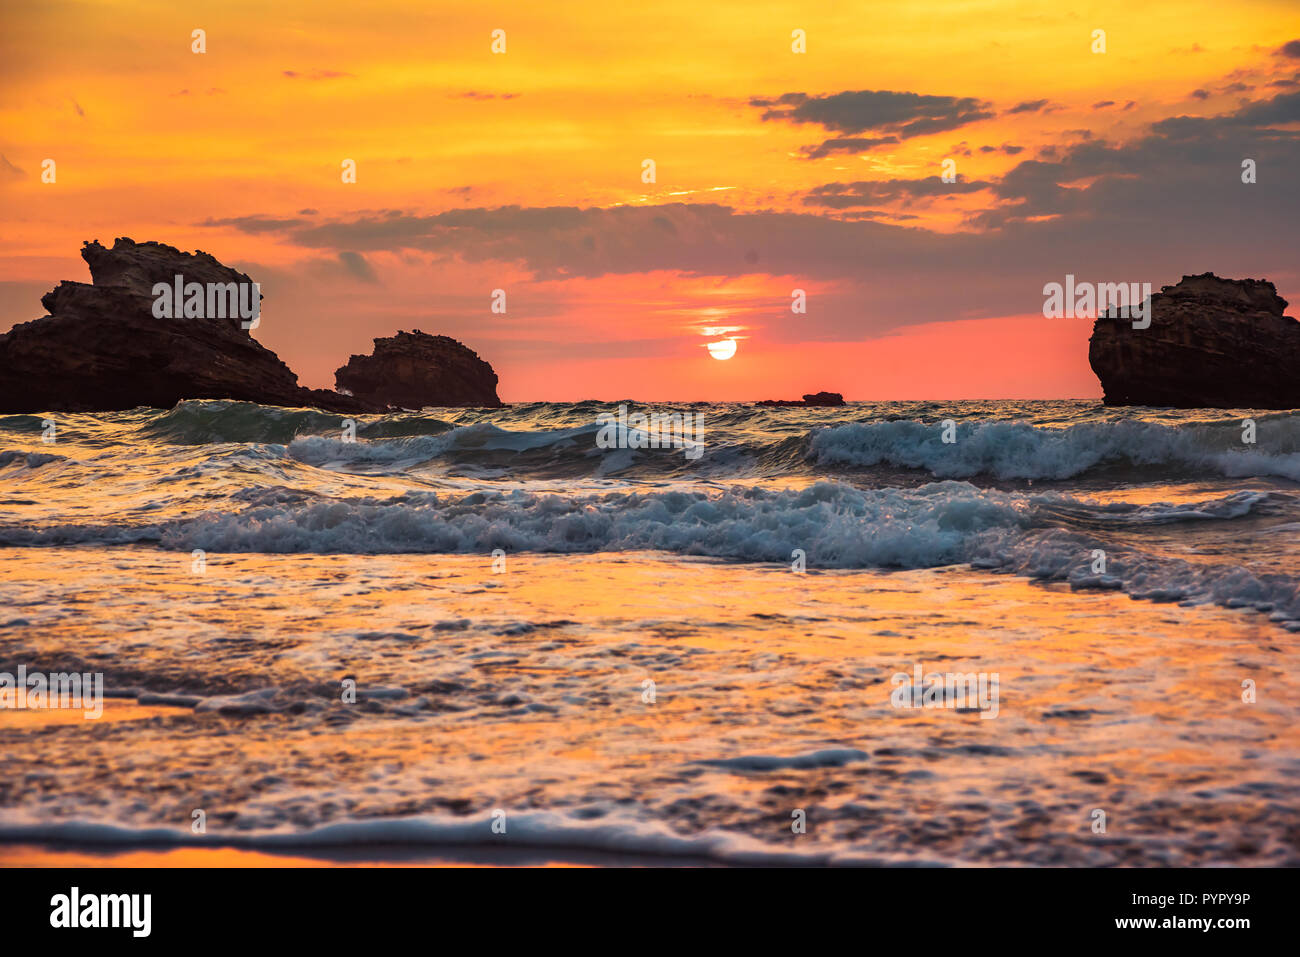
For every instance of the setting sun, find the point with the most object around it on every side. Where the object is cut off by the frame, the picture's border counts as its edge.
(723, 348)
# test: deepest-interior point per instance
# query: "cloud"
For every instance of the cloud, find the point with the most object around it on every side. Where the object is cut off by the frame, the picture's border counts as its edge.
(1029, 106)
(1290, 49)
(892, 116)
(847, 144)
(317, 75)
(255, 224)
(1186, 168)
(1168, 202)
(8, 170)
(356, 265)
(870, 193)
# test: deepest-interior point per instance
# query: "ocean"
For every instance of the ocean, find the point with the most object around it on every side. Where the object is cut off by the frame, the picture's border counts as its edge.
(477, 635)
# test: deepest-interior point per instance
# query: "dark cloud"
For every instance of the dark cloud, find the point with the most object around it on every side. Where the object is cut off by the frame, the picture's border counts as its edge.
(1103, 104)
(1186, 167)
(1029, 106)
(888, 114)
(847, 144)
(860, 214)
(1259, 115)
(1200, 94)
(1291, 49)
(356, 265)
(870, 193)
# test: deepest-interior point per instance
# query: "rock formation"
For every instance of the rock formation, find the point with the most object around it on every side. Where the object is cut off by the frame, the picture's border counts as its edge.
(810, 399)
(1212, 343)
(102, 348)
(414, 369)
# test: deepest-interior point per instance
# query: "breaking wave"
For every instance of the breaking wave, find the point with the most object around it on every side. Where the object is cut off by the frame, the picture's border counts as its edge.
(1016, 450)
(835, 525)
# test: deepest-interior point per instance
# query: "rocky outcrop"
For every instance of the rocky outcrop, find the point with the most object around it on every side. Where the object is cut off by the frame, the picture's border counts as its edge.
(102, 348)
(811, 399)
(412, 370)
(1212, 343)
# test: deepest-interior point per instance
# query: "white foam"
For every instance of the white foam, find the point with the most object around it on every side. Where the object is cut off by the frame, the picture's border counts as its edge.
(524, 829)
(836, 526)
(1017, 450)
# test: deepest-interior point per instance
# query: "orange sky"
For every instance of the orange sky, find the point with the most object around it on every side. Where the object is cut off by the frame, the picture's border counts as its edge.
(614, 285)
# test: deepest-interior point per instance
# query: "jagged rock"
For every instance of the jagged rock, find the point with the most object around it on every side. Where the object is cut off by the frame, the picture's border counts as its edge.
(101, 348)
(1212, 343)
(810, 399)
(412, 370)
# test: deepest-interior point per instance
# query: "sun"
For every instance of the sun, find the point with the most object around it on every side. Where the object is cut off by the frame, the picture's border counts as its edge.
(722, 349)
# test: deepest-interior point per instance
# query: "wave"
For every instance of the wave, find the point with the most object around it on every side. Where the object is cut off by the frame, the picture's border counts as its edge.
(470, 439)
(1016, 450)
(208, 421)
(1007, 451)
(31, 460)
(1002, 441)
(609, 833)
(834, 525)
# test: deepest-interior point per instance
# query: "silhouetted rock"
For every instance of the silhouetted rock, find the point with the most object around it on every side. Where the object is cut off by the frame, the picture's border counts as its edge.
(102, 348)
(1212, 343)
(809, 399)
(414, 369)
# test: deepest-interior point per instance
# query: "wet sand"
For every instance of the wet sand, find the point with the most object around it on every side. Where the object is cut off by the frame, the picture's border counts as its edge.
(523, 692)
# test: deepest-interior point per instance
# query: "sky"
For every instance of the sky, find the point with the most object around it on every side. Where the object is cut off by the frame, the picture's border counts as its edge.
(774, 171)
